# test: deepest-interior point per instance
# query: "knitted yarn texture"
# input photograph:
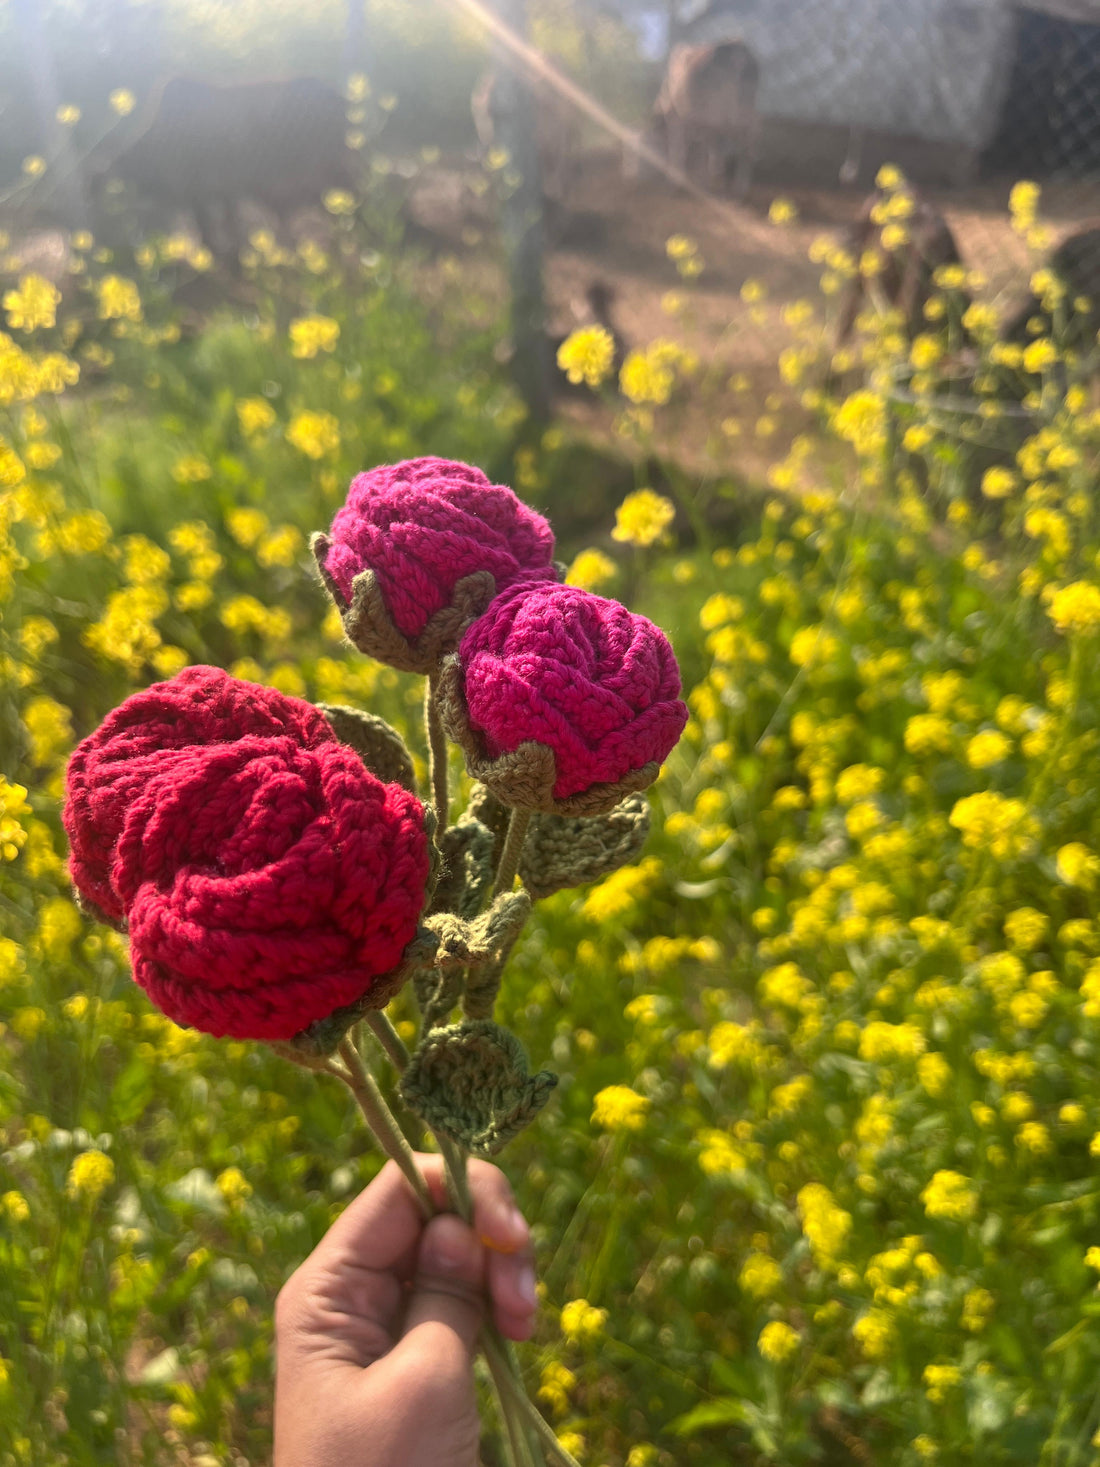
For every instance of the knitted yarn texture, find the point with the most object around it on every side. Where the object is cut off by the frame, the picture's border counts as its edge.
(266, 881)
(423, 525)
(595, 683)
(198, 707)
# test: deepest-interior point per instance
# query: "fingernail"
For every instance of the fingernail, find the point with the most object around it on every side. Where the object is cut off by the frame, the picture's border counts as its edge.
(516, 1224)
(447, 1245)
(510, 1223)
(525, 1286)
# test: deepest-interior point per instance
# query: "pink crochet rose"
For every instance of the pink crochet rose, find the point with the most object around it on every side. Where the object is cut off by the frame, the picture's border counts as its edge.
(437, 537)
(563, 700)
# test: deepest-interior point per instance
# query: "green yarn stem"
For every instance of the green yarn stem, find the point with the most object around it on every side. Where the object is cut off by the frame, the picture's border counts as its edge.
(437, 753)
(513, 849)
(512, 1399)
(382, 1122)
(532, 1416)
(458, 1187)
(388, 1038)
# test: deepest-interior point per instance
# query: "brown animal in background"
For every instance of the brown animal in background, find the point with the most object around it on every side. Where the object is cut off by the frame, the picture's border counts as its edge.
(1076, 263)
(557, 132)
(208, 147)
(904, 278)
(707, 110)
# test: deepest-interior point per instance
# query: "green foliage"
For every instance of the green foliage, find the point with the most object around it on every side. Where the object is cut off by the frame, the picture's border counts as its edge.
(824, 1142)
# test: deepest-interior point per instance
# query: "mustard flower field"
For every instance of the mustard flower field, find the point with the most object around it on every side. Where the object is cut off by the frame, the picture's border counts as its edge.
(819, 1180)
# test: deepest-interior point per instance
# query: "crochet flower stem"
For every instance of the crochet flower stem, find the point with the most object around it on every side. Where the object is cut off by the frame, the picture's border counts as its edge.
(396, 1050)
(499, 1356)
(381, 1120)
(513, 849)
(437, 752)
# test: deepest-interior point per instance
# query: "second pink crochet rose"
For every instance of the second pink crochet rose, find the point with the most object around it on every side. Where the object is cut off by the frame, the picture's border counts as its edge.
(423, 525)
(581, 676)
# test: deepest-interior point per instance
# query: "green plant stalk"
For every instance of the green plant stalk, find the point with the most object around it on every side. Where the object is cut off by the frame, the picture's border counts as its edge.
(513, 849)
(437, 752)
(381, 1121)
(396, 1049)
(516, 1408)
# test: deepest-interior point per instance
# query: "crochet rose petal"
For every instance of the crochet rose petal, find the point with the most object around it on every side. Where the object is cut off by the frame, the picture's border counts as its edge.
(577, 673)
(423, 525)
(200, 706)
(267, 878)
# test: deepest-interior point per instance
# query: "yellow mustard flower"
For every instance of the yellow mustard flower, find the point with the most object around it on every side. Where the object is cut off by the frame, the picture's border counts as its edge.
(951, 1196)
(91, 1173)
(33, 306)
(778, 1341)
(587, 355)
(619, 1108)
(316, 434)
(312, 334)
(643, 518)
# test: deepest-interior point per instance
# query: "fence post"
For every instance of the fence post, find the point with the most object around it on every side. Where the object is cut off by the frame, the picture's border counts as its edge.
(521, 220)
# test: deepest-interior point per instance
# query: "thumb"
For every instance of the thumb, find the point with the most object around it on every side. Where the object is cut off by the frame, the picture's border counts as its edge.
(447, 1303)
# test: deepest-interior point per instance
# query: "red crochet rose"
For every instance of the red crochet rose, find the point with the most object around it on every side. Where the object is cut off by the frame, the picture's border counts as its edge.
(266, 877)
(423, 525)
(577, 674)
(201, 705)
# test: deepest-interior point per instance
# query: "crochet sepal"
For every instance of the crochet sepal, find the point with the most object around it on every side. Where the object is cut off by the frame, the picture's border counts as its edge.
(571, 851)
(323, 1037)
(471, 1082)
(466, 868)
(469, 956)
(380, 747)
(524, 778)
(370, 628)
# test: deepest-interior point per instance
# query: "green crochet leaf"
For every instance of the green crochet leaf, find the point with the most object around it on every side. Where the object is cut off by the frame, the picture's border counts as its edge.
(381, 748)
(470, 1081)
(563, 851)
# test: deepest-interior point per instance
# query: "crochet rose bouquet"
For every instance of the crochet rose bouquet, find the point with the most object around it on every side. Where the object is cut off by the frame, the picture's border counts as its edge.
(279, 875)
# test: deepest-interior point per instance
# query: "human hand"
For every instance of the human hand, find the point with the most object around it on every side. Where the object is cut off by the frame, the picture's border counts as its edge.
(375, 1332)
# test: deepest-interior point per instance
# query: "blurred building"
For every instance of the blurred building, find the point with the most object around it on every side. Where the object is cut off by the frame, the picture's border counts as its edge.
(935, 85)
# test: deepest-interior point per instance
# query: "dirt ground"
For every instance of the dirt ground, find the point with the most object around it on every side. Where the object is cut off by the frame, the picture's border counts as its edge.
(615, 231)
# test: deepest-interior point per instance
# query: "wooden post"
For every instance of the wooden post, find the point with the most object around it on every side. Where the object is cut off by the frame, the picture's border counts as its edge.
(521, 220)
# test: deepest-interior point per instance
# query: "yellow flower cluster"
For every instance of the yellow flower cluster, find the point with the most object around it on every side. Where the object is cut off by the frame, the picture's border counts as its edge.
(778, 1341)
(13, 805)
(581, 1322)
(91, 1173)
(590, 570)
(33, 306)
(312, 334)
(619, 1108)
(586, 355)
(316, 434)
(951, 1196)
(1003, 826)
(118, 299)
(825, 1224)
(255, 415)
(643, 518)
